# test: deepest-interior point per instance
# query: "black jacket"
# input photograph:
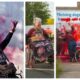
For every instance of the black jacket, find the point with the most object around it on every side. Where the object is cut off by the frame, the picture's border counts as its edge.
(5, 42)
(3, 45)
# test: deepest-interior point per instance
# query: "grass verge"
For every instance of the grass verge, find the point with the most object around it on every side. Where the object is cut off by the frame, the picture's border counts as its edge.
(58, 68)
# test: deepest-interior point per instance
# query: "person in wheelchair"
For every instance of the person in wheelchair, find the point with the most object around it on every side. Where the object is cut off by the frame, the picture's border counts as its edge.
(3, 58)
(37, 33)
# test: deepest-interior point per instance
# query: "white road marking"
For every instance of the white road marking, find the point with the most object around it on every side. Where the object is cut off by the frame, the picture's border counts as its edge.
(42, 69)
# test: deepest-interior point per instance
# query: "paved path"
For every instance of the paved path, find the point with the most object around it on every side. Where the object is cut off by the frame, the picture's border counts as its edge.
(41, 70)
(70, 70)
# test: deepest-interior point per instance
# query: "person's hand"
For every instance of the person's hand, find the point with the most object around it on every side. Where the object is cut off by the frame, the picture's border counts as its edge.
(14, 24)
(27, 46)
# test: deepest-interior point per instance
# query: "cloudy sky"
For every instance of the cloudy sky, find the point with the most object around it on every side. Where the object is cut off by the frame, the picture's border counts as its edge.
(12, 11)
(68, 3)
(51, 8)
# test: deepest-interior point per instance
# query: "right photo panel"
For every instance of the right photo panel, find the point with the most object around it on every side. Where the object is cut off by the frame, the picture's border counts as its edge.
(68, 42)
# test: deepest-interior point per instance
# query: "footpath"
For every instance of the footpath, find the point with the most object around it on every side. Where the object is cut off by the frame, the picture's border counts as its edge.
(70, 70)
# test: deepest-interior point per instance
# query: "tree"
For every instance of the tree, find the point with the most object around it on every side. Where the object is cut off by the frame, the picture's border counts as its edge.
(36, 9)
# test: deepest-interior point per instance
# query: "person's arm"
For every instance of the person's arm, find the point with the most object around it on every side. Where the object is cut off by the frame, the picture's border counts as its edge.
(28, 36)
(27, 39)
(45, 34)
(5, 42)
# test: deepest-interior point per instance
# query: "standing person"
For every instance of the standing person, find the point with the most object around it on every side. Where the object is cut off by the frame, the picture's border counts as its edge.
(5, 42)
(71, 45)
(4, 62)
(35, 34)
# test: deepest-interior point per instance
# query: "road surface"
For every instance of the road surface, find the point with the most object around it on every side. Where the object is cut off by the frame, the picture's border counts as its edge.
(70, 70)
(41, 70)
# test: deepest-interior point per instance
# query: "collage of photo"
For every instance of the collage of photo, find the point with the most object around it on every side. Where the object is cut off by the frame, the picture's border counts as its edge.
(27, 40)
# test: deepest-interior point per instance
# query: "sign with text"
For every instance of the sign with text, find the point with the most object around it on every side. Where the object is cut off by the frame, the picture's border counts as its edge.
(68, 15)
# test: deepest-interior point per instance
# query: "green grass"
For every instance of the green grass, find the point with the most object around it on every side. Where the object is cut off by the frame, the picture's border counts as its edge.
(58, 68)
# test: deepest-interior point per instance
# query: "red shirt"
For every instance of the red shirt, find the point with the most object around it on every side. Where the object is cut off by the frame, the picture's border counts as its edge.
(32, 32)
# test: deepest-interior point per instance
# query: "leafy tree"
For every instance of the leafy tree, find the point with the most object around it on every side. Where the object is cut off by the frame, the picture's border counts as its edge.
(36, 9)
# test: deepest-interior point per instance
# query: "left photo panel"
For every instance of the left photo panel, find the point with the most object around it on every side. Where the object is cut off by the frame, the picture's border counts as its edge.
(11, 39)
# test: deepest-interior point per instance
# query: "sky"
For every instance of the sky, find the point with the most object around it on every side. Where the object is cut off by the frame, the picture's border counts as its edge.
(66, 3)
(12, 11)
(51, 8)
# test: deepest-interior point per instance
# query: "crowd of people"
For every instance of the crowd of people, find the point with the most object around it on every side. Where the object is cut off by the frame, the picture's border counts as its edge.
(67, 41)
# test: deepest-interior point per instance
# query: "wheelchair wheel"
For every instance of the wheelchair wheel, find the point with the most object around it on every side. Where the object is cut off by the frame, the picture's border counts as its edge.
(50, 59)
(77, 55)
